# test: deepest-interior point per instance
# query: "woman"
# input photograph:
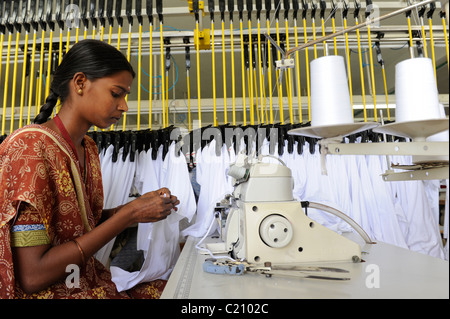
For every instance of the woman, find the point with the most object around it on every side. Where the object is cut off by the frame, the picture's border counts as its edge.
(51, 219)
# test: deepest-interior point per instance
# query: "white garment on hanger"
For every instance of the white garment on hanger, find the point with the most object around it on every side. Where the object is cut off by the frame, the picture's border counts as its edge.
(175, 176)
(298, 169)
(370, 201)
(340, 188)
(117, 178)
(212, 177)
(423, 234)
(148, 179)
(386, 213)
(159, 241)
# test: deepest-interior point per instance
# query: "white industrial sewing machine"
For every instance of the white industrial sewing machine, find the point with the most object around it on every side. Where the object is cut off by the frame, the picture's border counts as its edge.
(262, 222)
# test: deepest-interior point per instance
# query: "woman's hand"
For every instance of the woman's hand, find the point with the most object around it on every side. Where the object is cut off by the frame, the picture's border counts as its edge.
(40, 266)
(152, 206)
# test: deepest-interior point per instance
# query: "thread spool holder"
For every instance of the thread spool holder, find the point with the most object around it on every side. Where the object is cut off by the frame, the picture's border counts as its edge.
(418, 131)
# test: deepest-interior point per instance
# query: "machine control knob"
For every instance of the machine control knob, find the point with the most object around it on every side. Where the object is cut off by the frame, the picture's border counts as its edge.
(276, 231)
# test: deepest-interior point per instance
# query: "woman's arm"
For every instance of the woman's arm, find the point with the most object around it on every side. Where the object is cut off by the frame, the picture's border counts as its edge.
(38, 267)
(107, 213)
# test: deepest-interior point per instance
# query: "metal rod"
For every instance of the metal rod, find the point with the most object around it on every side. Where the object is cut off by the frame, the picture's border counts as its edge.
(367, 22)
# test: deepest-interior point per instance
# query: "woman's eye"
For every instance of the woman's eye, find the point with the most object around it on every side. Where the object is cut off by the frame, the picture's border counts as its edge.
(114, 94)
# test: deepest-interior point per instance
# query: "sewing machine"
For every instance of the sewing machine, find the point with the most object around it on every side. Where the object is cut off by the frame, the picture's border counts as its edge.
(262, 222)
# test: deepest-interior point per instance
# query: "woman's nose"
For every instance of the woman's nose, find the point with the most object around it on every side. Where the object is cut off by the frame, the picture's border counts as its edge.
(123, 106)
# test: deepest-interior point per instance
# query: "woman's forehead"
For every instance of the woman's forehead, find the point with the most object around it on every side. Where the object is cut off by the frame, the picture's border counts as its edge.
(121, 79)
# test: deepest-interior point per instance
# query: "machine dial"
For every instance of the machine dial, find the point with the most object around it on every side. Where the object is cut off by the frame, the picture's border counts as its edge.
(276, 231)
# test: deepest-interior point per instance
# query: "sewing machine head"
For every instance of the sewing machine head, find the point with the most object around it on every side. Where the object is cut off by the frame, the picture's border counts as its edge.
(262, 222)
(256, 181)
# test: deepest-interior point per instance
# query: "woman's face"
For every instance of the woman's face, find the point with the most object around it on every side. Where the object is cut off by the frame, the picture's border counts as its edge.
(104, 101)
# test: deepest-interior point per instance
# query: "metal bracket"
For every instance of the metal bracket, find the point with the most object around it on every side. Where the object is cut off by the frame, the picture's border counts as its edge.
(398, 148)
(284, 64)
(423, 174)
(391, 148)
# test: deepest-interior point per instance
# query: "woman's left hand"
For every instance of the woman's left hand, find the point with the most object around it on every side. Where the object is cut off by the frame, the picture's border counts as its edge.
(165, 192)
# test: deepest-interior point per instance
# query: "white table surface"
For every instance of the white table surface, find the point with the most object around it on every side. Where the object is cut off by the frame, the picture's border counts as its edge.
(402, 274)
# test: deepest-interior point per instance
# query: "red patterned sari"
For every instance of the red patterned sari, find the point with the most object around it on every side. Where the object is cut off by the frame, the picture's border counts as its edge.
(45, 199)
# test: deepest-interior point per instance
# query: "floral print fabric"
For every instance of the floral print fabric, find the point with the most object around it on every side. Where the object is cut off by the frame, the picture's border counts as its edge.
(38, 171)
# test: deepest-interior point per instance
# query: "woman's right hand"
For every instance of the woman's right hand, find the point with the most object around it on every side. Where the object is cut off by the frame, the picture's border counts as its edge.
(152, 207)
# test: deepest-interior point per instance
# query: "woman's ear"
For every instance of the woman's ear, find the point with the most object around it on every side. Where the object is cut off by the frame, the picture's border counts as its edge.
(78, 82)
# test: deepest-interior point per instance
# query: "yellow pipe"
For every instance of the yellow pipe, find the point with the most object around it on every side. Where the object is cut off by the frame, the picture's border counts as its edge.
(266, 115)
(256, 97)
(314, 37)
(102, 33)
(24, 74)
(333, 21)
(198, 76)
(14, 83)
(37, 93)
(372, 76)
(249, 85)
(118, 48)
(30, 93)
(289, 77)
(119, 35)
(189, 100)
(128, 58)
(224, 70)
(446, 41)
(150, 76)
(163, 80)
(410, 37)
(361, 72)
(110, 34)
(213, 73)
(250, 80)
(5, 96)
(60, 56)
(308, 83)
(233, 73)
(348, 66)
(263, 101)
(280, 85)
(49, 65)
(297, 69)
(269, 69)
(77, 34)
(244, 108)
(324, 42)
(166, 107)
(433, 57)
(68, 40)
(139, 78)
(386, 93)
(41, 75)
